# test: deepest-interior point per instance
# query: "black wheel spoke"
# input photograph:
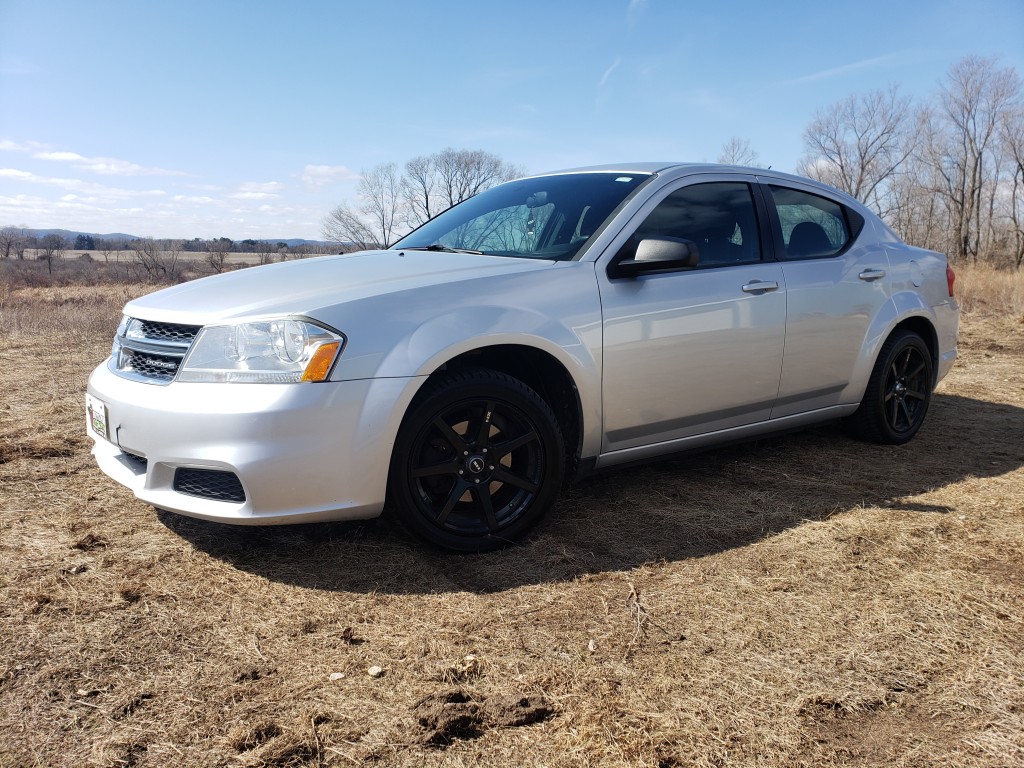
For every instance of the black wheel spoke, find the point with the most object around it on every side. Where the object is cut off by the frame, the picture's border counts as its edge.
(503, 449)
(483, 498)
(917, 371)
(503, 475)
(444, 468)
(906, 413)
(458, 488)
(457, 441)
(914, 394)
(907, 359)
(483, 431)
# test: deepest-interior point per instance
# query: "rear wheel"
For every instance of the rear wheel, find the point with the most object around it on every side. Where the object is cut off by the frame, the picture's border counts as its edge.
(898, 393)
(478, 461)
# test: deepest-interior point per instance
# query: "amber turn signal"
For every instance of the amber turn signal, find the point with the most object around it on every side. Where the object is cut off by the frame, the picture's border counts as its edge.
(321, 361)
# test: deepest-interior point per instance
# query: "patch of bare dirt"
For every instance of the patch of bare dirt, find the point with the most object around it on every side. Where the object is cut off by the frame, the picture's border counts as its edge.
(455, 714)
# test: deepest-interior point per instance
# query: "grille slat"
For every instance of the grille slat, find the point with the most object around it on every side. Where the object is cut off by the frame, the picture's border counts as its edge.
(209, 484)
(152, 352)
(175, 332)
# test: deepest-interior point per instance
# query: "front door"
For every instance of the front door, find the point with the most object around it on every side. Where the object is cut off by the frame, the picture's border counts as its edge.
(698, 350)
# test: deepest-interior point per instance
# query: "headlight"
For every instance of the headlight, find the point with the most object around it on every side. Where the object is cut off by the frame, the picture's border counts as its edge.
(268, 352)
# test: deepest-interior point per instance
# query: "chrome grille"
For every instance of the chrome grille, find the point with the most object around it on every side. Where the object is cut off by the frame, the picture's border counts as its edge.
(151, 352)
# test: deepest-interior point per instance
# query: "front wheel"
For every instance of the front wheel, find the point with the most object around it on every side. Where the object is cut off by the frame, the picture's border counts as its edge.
(898, 393)
(478, 461)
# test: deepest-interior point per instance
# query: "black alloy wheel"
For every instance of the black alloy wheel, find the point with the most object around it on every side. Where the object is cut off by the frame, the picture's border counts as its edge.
(898, 393)
(478, 461)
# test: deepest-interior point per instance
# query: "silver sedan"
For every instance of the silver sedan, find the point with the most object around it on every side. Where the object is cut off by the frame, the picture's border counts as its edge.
(542, 330)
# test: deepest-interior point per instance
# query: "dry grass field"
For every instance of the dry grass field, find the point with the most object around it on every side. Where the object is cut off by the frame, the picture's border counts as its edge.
(802, 601)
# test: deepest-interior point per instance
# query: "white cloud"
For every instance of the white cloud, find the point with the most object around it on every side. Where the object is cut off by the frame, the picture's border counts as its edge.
(77, 185)
(105, 166)
(195, 199)
(257, 190)
(253, 196)
(10, 146)
(261, 186)
(316, 176)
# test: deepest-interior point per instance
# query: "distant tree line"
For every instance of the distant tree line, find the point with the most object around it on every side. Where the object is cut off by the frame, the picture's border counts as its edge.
(155, 257)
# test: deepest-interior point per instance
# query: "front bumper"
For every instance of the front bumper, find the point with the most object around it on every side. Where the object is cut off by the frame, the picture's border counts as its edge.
(301, 452)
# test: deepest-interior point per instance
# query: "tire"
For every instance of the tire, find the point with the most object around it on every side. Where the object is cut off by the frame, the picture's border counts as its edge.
(478, 461)
(898, 393)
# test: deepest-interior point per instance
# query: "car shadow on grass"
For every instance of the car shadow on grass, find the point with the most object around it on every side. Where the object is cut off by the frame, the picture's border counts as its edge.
(683, 508)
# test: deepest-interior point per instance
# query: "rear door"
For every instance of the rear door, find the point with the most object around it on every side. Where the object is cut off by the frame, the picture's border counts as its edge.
(836, 284)
(697, 350)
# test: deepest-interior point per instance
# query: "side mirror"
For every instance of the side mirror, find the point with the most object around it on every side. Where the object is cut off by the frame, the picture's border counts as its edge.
(656, 254)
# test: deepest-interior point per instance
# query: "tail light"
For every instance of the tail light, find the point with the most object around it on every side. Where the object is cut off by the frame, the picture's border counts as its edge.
(950, 279)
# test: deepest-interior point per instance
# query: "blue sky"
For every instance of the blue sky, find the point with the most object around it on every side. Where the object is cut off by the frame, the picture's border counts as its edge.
(253, 119)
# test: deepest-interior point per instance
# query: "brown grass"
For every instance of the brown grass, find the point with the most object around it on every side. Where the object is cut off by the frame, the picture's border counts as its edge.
(801, 601)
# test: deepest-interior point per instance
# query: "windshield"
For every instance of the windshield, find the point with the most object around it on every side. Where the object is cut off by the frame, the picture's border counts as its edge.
(548, 217)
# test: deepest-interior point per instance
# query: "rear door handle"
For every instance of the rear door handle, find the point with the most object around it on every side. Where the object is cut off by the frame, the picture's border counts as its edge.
(871, 274)
(760, 286)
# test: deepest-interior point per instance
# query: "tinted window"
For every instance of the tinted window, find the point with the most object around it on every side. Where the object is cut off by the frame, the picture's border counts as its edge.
(547, 217)
(812, 226)
(719, 217)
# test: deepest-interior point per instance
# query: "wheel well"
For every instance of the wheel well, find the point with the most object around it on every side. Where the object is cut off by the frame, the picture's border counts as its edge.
(923, 328)
(545, 376)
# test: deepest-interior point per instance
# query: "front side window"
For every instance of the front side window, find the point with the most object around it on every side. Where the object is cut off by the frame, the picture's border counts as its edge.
(812, 226)
(718, 216)
(546, 217)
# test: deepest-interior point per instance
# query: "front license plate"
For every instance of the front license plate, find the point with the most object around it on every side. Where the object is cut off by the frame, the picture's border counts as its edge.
(96, 413)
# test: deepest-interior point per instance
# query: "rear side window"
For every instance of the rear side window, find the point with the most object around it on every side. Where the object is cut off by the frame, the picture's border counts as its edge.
(812, 226)
(718, 216)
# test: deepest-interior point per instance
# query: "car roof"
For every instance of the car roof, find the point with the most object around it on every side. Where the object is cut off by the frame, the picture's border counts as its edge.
(685, 169)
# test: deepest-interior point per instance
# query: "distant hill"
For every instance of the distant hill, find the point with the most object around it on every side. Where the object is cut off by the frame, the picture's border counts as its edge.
(70, 236)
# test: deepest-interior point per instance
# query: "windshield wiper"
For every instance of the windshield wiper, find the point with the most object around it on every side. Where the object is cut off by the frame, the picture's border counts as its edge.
(445, 248)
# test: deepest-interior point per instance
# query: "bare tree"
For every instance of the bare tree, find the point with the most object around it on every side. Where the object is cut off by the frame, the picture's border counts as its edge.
(737, 151)
(859, 144)
(217, 251)
(109, 247)
(434, 183)
(157, 258)
(21, 244)
(265, 251)
(349, 229)
(420, 190)
(8, 237)
(390, 203)
(52, 247)
(1012, 137)
(377, 220)
(963, 146)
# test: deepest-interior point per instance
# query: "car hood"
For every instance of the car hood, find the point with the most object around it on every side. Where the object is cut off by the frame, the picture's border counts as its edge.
(303, 286)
